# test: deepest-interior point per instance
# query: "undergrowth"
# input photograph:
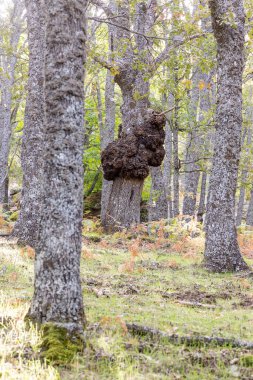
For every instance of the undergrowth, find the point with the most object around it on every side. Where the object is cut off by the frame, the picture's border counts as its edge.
(150, 275)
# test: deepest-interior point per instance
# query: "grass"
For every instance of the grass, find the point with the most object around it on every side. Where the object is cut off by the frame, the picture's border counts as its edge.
(151, 276)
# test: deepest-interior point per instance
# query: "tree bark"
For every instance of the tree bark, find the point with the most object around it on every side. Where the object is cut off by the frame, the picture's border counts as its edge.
(58, 295)
(192, 153)
(9, 60)
(135, 92)
(249, 217)
(158, 204)
(176, 162)
(244, 176)
(27, 226)
(202, 199)
(108, 137)
(222, 251)
(107, 134)
(167, 167)
(124, 204)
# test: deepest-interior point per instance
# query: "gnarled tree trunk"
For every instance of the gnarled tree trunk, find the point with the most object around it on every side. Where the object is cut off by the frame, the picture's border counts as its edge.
(58, 295)
(222, 251)
(134, 86)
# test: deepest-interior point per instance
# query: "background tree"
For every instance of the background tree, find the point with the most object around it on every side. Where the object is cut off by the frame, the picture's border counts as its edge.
(8, 54)
(26, 228)
(221, 250)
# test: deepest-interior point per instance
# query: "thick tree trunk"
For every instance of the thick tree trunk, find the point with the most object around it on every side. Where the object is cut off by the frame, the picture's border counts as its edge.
(222, 251)
(125, 192)
(58, 294)
(124, 204)
(27, 226)
(135, 92)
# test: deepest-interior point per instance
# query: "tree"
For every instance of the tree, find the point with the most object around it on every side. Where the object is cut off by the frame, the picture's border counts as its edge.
(8, 53)
(244, 175)
(58, 295)
(27, 226)
(131, 76)
(108, 129)
(221, 249)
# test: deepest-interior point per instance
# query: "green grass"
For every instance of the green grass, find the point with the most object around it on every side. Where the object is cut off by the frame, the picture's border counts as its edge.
(145, 281)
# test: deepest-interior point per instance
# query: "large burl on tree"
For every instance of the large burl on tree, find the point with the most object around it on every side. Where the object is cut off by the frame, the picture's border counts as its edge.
(126, 161)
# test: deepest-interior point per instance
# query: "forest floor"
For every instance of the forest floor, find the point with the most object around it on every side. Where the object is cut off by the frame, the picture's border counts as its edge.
(151, 276)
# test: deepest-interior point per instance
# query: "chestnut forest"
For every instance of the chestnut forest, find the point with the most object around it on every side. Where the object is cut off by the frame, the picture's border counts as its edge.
(126, 189)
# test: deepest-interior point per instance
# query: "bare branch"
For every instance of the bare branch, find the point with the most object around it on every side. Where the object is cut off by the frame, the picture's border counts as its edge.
(168, 48)
(102, 5)
(104, 63)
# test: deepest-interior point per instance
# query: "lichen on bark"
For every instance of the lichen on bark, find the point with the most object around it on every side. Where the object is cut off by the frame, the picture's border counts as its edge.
(58, 294)
(222, 251)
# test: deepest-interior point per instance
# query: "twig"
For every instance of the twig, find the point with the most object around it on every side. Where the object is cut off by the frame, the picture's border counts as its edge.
(167, 111)
(196, 304)
(188, 340)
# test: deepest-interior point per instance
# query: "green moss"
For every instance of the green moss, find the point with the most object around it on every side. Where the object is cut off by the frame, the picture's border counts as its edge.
(58, 346)
(14, 216)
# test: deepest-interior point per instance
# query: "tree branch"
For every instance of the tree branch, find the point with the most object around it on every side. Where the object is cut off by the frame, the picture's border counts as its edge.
(164, 54)
(102, 5)
(188, 340)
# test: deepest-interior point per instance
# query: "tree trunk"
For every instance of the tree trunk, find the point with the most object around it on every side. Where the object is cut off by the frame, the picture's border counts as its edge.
(6, 195)
(124, 204)
(249, 217)
(240, 204)
(134, 85)
(202, 199)
(27, 226)
(109, 128)
(167, 163)
(158, 204)
(244, 176)
(192, 152)
(222, 251)
(176, 163)
(58, 295)
(9, 63)
(108, 137)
